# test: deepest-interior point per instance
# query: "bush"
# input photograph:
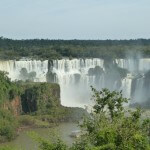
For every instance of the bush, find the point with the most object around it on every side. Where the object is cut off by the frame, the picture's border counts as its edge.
(26, 120)
(8, 125)
(6, 148)
(109, 127)
(8, 89)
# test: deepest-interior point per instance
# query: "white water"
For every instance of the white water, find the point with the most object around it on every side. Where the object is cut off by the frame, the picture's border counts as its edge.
(73, 92)
(14, 67)
(134, 65)
(74, 80)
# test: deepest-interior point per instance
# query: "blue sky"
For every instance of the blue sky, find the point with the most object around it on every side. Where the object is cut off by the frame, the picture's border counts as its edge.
(75, 19)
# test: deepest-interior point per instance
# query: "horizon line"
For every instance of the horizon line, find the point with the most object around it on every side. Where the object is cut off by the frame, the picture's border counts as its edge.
(73, 39)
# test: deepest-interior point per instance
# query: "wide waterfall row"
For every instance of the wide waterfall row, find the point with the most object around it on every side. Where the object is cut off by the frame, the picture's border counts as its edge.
(77, 75)
(14, 69)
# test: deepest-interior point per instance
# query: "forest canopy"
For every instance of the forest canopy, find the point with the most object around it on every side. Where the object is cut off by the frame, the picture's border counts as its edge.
(56, 49)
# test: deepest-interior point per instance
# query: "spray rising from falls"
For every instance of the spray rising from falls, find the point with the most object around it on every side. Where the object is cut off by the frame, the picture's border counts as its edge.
(77, 75)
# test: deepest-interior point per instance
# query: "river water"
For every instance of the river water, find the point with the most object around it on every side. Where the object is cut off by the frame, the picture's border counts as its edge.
(63, 131)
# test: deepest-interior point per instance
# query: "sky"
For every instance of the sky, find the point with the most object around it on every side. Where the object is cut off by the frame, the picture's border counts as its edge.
(75, 19)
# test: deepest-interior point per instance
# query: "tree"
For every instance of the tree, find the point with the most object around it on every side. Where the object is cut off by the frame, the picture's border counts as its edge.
(8, 125)
(109, 126)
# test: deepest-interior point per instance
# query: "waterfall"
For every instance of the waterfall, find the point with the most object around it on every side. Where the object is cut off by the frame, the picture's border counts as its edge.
(14, 67)
(134, 64)
(139, 90)
(144, 64)
(72, 75)
(75, 76)
(126, 87)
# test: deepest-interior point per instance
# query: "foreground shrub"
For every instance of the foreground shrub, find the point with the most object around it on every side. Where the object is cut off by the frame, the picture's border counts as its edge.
(109, 127)
(7, 148)
(8, 125)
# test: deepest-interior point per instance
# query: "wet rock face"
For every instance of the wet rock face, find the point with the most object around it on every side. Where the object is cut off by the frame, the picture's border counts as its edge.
(97, 71)
(25, 75)
(14, 105)
(50, 77)
(77, 77)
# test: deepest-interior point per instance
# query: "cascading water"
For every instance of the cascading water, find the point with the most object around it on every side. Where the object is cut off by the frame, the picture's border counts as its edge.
(133, 65)
(14, 67)
(139, 87)
(77, 75)
(72, 75)
(126, 87)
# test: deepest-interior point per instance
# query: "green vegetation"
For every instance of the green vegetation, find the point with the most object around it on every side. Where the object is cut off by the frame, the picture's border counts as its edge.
(56, 49)
(109, 127)
(31, 105)
(114, 128)
(40, 98)
(7, 148)
(8, 125)
(8, 90)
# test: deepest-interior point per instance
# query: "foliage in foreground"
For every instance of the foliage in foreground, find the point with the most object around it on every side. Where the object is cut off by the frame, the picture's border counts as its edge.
(39, 102)
(109, 127)
(8, 125)
(7, 148)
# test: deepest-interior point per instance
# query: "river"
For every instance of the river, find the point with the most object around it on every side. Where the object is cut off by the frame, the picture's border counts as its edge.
(63, 130)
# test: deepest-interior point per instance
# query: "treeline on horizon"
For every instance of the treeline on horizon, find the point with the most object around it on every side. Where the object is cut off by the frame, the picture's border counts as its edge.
(57, 49)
